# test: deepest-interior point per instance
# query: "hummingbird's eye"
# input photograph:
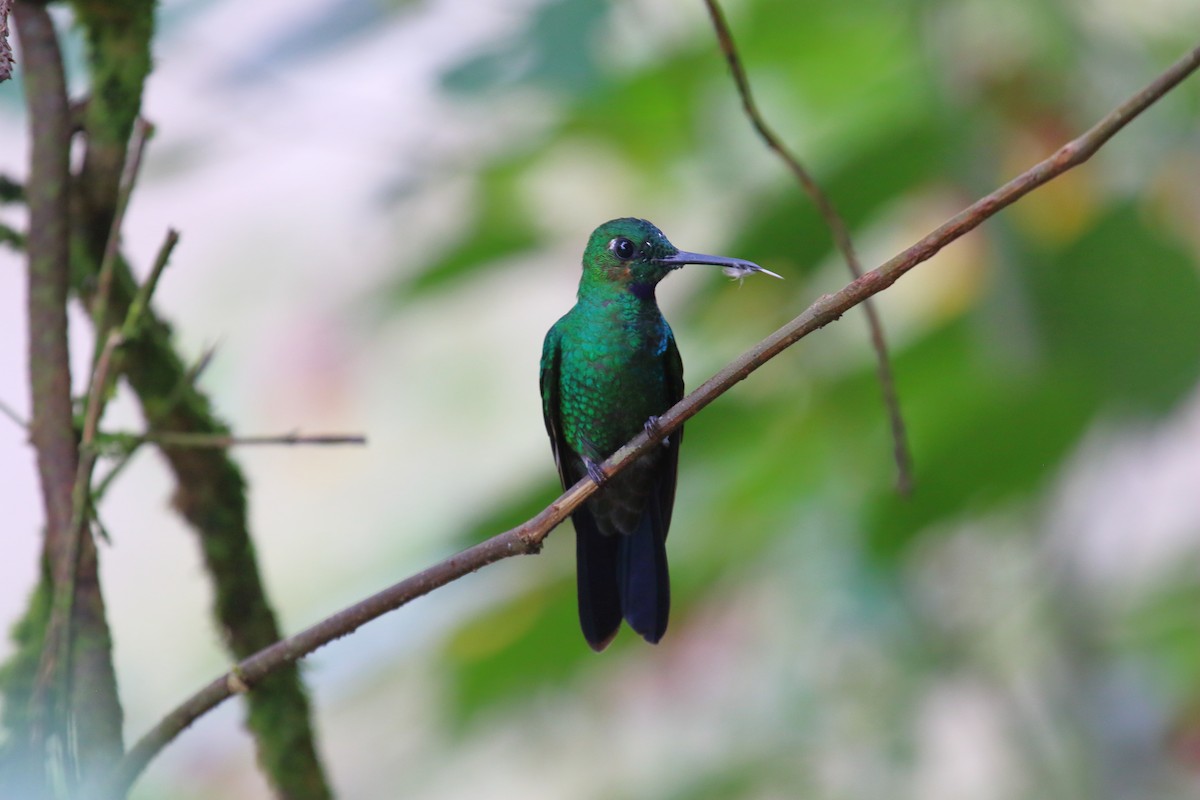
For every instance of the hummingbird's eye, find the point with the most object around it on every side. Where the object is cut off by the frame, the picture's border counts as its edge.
(622, 247)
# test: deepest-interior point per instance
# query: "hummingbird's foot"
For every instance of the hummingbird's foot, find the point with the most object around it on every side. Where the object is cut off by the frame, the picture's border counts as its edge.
(594, 471)
(653, 429)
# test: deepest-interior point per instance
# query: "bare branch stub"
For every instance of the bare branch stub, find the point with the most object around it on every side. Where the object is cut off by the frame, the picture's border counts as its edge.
(145, 292)
(527, 538)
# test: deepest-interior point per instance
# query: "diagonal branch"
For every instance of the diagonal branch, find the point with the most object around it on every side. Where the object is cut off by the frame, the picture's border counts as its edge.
(527, 538)
(841, 240)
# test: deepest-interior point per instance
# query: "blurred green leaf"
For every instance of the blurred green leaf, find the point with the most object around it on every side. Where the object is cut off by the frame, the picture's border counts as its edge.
(1119, 309)
(1092, 316)
(982, 434)
(514, 650)
(1162, 631)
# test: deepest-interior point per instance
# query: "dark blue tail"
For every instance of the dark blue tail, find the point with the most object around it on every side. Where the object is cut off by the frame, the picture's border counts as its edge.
(596, 558)
(642, 579)
(622, 576)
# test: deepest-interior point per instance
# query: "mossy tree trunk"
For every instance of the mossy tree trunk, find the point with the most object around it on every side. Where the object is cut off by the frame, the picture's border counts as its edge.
(71, 217)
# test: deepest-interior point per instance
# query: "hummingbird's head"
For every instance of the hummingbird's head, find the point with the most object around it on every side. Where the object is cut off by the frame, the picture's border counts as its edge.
(634, 253)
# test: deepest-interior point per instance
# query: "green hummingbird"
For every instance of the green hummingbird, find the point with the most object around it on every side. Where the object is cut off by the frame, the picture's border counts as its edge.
(610, 368)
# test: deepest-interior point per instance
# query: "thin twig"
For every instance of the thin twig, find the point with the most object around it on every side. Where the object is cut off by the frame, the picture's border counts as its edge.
(133, 164)
(841, 239)
(216, 440)
(187, 381)
(182, 439)
(142, 299)
(99, 389)
(196, 370)
(12, 414)
(58, 632)
(528, 537)
(104, 372)
(100, 488)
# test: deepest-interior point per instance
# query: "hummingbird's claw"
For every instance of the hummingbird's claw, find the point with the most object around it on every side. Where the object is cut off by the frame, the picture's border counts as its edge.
(653, 429)
(595, 472)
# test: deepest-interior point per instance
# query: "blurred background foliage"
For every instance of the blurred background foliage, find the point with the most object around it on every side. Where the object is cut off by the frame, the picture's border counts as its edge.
(1025, 624)
(957, 637)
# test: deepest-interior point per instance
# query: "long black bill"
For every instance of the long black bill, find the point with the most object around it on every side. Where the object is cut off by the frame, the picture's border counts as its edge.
(733, 267)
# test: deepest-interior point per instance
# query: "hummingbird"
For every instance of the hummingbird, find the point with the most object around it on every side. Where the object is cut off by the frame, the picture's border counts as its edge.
(610, 368)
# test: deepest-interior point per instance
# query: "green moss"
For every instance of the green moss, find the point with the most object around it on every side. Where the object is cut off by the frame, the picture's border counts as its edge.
(17, 678)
